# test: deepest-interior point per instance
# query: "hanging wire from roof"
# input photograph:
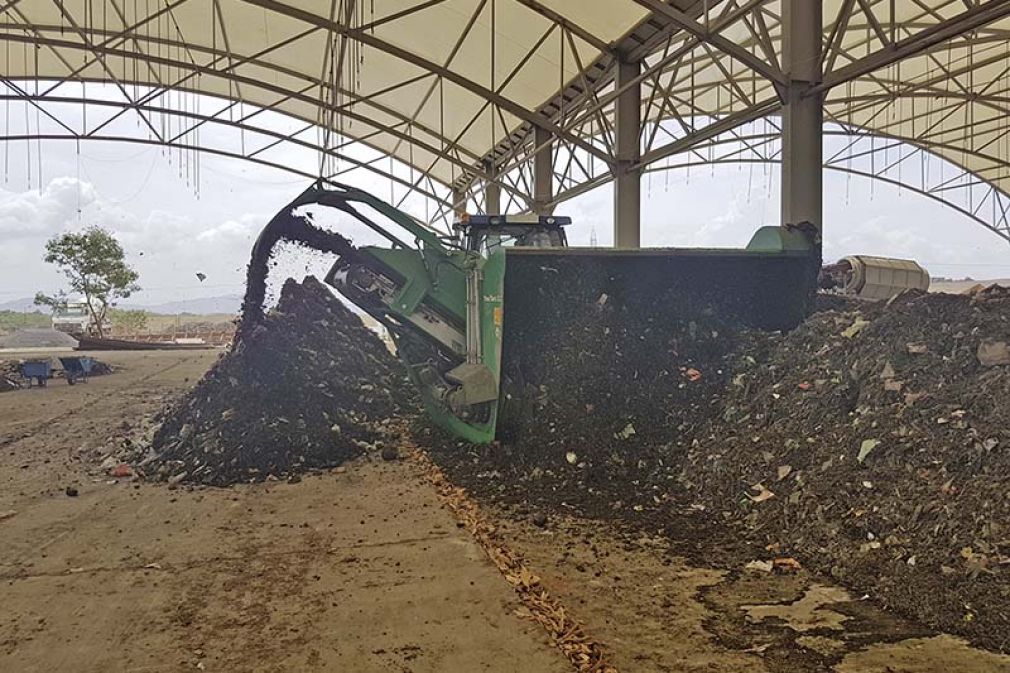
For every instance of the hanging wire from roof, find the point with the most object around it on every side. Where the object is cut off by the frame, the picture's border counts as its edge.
(343, 61)
(7, 109)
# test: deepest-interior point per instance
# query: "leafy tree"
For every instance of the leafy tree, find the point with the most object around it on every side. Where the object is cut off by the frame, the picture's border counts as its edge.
(131, 321)
(94, 265)
(56, 302)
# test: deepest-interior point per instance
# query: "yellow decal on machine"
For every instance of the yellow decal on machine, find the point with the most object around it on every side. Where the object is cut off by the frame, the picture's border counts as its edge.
(497, 315)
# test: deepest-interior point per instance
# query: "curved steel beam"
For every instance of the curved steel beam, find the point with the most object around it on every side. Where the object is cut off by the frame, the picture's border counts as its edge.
(972, 18)
(495, 97)
(174, 142)
(229, 75)
(277, 136)
(287, 168)
(1001, 231)
(181, 146)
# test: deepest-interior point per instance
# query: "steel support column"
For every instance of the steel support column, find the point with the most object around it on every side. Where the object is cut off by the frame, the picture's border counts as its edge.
(803, 114)
(627, 176)
(492, 192)
(458, 203)
(492, 201)
(543, 173)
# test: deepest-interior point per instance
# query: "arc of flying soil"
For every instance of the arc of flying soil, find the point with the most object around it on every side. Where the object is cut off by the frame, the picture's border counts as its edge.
(567, 634)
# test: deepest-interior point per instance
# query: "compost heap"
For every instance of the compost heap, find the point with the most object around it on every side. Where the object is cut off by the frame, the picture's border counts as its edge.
(875, 446)
(309, 386)
(872, 443)
(604, 383)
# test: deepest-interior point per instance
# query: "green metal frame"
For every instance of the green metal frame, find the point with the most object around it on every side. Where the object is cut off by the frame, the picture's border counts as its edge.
(435, 270)
(491, 272)
(433, 273)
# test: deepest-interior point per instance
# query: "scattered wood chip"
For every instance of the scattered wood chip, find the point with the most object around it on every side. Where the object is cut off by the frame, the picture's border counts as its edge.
(584, 653)
(855, 328)
(762, 493)
(993, 353)
(867, 446)
(760, 566)
(786, 565)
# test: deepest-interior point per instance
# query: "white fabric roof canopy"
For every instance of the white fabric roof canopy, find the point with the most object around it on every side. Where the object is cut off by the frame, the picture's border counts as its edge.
(440, 84)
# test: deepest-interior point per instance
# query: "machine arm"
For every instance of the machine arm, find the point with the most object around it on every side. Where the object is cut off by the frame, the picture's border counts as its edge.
(287, 226)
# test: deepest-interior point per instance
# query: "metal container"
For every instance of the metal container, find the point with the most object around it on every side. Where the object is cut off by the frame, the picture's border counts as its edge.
(882, 277)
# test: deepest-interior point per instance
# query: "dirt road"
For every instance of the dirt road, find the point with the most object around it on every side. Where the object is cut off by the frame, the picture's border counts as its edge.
(362, 569)
(358, 570)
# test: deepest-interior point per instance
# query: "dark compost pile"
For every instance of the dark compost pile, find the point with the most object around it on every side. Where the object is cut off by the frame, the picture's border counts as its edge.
(611, 365)
(872, 442)
(875, 445)
(309, 386)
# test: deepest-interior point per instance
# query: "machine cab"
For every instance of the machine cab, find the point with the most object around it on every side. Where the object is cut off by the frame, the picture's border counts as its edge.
(479, 233)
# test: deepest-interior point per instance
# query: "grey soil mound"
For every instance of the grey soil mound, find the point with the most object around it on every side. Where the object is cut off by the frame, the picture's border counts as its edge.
(37, 338)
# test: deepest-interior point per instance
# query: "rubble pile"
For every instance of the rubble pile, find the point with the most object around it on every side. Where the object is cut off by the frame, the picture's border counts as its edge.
(307, 387)
(99, 368)
(874, 444)
(10, 375)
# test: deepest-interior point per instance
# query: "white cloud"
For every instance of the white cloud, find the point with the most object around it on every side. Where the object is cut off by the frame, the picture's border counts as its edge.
(167, 247)
(242, 230)
(45, 212)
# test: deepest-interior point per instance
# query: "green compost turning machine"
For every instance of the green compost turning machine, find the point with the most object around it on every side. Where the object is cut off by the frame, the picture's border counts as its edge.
(449, 300)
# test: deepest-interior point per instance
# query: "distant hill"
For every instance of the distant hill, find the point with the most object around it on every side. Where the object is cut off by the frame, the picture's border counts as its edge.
(226, 303)
(26, 305)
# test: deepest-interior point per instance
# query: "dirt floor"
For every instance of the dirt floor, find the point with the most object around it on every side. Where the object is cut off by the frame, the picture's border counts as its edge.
(356, 570)
(362, 569)
(657, 611)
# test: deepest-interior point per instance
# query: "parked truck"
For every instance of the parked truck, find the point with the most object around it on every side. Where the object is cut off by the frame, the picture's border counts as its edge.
(74, 317)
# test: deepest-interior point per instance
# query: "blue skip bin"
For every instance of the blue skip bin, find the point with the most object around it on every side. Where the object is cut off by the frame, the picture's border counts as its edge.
(38, 371)
(77, 368)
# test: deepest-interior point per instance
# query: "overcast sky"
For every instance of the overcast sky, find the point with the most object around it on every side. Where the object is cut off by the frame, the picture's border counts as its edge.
(169, 234)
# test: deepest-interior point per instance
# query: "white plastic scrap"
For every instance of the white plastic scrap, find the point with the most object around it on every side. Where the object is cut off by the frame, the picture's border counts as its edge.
(627, 432)
(866, 447)
(855, 328)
